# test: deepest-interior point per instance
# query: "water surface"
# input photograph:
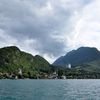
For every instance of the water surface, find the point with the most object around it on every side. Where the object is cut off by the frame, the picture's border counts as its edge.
(49, 89)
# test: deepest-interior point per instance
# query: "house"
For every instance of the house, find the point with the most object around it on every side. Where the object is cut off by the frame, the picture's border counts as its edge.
(68, 66)
(20, 71)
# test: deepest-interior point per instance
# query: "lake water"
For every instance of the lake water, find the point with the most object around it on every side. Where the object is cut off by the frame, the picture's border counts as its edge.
(49, 89)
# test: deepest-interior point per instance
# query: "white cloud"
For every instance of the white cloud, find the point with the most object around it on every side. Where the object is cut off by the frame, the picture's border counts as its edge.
(49, 27)
(87, 28)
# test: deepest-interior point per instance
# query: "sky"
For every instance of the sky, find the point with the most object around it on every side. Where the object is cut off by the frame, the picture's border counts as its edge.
(49, 28)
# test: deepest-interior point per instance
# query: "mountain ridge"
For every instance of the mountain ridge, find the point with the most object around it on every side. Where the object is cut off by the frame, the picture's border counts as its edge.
(12, 59)
(79, 56)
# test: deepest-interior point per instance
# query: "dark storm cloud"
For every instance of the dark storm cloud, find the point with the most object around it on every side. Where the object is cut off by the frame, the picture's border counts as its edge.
(39, 20)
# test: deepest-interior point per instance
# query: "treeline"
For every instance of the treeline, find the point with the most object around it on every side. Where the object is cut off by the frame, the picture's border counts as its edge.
(78, 74)
(46, 72)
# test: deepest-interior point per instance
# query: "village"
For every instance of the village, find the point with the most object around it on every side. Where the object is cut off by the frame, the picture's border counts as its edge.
(20, 75)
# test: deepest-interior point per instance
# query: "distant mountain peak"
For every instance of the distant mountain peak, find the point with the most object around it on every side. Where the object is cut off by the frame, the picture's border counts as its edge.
(87, 48)
(79, 56)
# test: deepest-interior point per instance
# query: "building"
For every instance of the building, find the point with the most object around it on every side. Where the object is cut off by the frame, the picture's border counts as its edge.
(68, 66)
(20, 71)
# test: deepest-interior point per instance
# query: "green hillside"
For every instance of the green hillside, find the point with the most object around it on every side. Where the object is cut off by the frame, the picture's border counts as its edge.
(11, 59)
(93, 66)
(85, 63)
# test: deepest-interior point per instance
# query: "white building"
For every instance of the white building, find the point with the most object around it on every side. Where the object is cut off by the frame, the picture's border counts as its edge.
(20, 71)
(68, 66)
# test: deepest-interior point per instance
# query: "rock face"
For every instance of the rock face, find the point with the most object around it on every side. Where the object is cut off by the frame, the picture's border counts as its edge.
(79, 56)
(12, 59)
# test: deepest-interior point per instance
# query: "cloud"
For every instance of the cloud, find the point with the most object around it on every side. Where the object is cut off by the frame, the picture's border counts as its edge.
(87, 29)
(41, 26)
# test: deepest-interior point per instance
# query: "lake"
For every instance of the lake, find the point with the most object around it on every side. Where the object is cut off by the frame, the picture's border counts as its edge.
(50, 89)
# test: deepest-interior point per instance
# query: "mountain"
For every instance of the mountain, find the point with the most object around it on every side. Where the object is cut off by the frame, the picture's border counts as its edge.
(12, 58)
(78, 57)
